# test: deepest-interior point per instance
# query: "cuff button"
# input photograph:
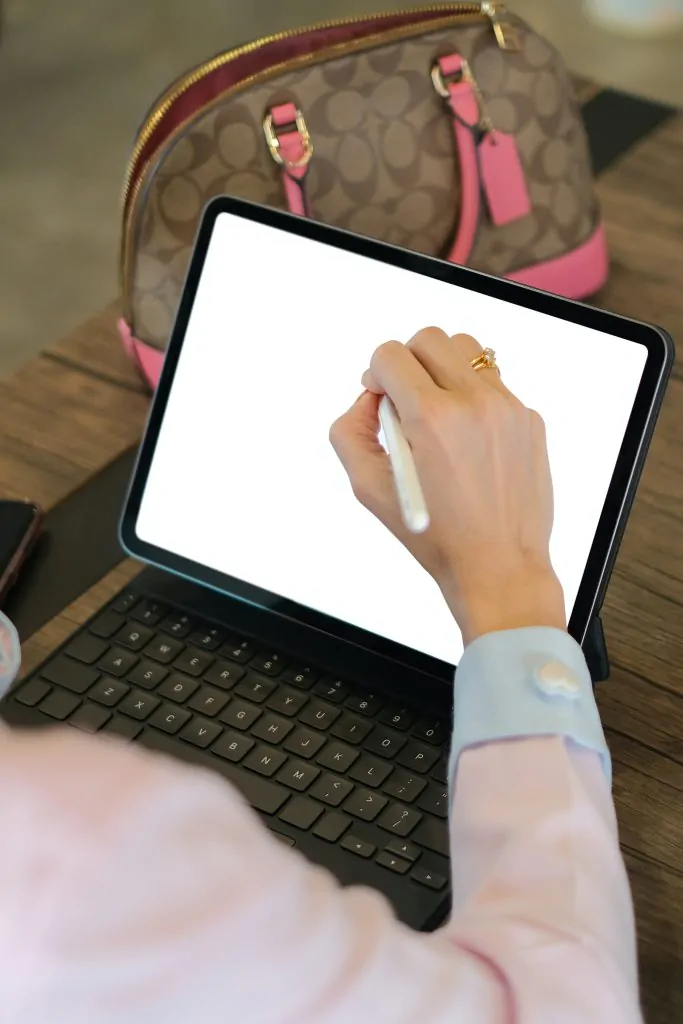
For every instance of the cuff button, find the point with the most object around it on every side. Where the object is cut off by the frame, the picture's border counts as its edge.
(556, 680)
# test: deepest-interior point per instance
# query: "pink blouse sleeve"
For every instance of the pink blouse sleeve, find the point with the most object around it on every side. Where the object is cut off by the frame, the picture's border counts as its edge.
(134, 889)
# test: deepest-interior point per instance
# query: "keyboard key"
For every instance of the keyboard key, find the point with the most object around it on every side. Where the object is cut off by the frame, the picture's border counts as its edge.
(232, 746)
(366, 704)
(301, 812)
(428, 878)
(178, 688)
(125, 602)
(223, 674)
(59, 704)
(272, 728)
(177, 626)
(440, 770)
(269, 664)
(332, 827)
(404, 848)
(89, 717)
(398, 718)
(207, 639)
(298, 775)
(287, 840)
(404, 786)
(304, 743)
(337, 756)
(331, 789)
(149, 613)
(194, 663)
(118, 662)
(333, 690)
(108, 691)
(364, 804)
(86, 648)
(170, 718)
(287, 702)
(139, 704)
(164, 649)
(240, 715)
(238, 650)
(351, 728)
(319, 715)
(71, 674)
(355, 845)
(208, 701)
(385, 742)
(432, 731)
(147, 675)
(124, 727)
(255, 688)
(302, 678)
(434, 800)
(400, 820)
(265, 760)
(432, 834)
(32, 692)
(201, 732)
(387, 860)
(370, 771)
(134, 637)
(106, 624)
(418, 757)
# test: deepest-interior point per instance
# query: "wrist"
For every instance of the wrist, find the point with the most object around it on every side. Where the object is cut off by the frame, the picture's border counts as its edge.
(528, 595)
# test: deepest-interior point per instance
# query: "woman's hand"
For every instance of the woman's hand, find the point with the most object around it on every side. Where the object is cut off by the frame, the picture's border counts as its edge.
(482, 461)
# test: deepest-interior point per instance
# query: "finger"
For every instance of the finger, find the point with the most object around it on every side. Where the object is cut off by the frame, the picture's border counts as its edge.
(400, 375)
(354, 439)
(370, 384)
(443, 359)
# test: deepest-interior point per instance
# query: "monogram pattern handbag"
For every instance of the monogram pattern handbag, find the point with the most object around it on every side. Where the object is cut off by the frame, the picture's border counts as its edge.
(452, 130)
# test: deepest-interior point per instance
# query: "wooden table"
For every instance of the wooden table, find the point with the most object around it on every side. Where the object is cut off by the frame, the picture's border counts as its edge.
(79, 407)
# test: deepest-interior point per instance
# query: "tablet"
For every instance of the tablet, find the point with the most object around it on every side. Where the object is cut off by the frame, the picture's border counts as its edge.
(237, 487)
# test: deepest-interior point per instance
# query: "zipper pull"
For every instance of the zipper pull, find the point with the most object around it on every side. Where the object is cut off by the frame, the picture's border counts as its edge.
(506, 34)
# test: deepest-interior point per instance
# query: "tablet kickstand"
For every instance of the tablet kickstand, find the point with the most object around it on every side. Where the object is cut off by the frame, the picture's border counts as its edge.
(595, 651)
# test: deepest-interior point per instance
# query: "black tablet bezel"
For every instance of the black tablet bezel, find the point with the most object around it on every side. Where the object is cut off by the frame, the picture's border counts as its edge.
(660, 355)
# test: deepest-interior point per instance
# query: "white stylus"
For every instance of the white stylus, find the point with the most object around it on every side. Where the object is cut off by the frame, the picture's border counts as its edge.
(410, 495)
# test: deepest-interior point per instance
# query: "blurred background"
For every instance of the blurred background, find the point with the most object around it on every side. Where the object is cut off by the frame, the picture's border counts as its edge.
(77, 76)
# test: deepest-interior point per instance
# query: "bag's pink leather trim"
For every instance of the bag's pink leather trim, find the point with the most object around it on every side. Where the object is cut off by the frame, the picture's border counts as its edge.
(465, 110)
(148, 360)
(576, 275)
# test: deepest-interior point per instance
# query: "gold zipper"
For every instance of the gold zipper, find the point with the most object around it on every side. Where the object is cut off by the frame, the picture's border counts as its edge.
(505, 33)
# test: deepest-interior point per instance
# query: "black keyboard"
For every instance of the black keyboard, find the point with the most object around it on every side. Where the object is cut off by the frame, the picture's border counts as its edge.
(315, 755)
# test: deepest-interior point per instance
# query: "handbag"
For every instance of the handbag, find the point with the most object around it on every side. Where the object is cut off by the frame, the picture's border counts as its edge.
(452, 130)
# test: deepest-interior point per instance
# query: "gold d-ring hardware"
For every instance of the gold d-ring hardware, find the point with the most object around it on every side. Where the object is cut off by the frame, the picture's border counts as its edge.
(463, 75)
(274, 143)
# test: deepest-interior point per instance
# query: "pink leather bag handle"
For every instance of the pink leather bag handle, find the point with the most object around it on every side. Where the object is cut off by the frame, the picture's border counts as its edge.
(451, 82)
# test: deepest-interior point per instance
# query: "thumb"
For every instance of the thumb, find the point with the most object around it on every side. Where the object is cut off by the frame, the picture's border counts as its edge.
(354, 439)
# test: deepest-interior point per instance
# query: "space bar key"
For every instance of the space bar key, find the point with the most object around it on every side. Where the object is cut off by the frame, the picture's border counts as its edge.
(264, 796)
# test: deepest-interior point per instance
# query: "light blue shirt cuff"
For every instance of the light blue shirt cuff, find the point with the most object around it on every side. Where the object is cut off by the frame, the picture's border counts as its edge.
(500, 693)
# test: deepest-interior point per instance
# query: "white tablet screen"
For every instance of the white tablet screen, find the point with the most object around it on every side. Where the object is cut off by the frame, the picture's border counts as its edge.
(244, 480)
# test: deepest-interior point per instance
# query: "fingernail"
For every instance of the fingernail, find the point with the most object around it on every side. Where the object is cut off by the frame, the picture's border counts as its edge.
(364, 379)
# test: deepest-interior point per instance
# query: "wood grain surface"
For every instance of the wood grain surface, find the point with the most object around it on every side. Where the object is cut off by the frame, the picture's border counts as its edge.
(68, 413)
(71, 411)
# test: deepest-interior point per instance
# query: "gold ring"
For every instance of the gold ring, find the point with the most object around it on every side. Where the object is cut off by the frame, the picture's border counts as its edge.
(486, 360)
